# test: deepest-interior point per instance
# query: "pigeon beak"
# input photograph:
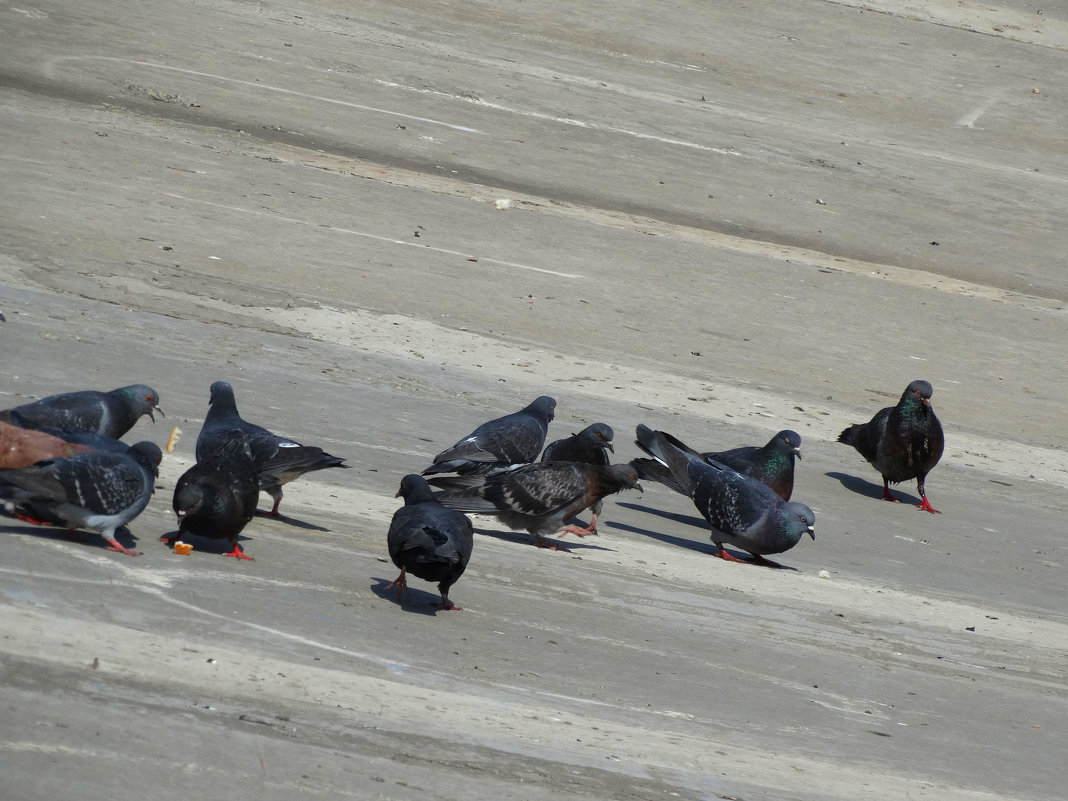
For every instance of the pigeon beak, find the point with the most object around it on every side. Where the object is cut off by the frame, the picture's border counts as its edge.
(609, 446)
(812, 532)
(797, 452)
(639, 487)
(155, 408)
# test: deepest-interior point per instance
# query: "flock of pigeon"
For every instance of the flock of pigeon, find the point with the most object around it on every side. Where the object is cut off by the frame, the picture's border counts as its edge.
(62, 464)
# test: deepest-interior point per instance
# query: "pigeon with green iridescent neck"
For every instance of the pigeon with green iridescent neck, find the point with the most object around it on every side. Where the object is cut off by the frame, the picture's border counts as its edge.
(771, 464)
(740, 510)
(902, 442)
(110, 414)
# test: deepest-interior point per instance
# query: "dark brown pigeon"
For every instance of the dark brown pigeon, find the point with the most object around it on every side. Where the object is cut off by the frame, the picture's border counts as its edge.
(111, 414)
(21, 447)
(740, 510)
(591, 446)
(902, 442)
(514, 439)
(771, 464)
(428, 539)
(216, 497)
(278, 460)
(97, 491)
(537, 497)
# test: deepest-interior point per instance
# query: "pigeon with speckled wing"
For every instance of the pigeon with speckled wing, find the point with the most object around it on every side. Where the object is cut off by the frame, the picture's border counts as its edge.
(591, 446)
(740, 510)
(537, 497)
(97, 491)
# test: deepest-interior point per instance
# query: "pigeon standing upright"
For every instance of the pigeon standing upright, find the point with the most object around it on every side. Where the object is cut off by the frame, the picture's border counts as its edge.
(537, 497)
(513, 439)
(111, 414)
(216, 497)
(591, 446)
(98, 491)
(741, 511)
(428, 539)
(278, 460)
(902, 442)
(771, 464)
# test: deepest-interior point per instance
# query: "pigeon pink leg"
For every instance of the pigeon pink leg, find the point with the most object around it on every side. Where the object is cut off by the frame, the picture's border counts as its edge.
(115, 546)
(886, 492)
(400, 582)
(237, 553)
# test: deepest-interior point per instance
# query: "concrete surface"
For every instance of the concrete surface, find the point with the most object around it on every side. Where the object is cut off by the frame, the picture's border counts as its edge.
(387, 222)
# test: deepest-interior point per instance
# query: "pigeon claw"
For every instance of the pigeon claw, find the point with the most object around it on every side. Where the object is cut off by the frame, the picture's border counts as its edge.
(115, 546)
(237, 553)
(448, 606)
(728, 557)
(541, 542)
(579, 531)
(925, 505)
(400, 582)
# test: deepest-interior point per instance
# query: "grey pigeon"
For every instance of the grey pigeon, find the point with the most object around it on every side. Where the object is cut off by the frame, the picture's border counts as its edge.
(513, 439)
(278, 460)
(771, 464)
(96, 491)
(902, 442)
(537, 497)
(428, 539)
(591, 446)
(111, 414)
(741, 511)
(216, 497)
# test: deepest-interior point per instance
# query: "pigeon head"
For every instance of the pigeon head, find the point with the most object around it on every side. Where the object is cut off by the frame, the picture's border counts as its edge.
(918, 390)
(543, 407)
(602, 434)
(627, 476)
(188, 500)
(414, 489)
(798, 519)
(142, 398)
(789, 442)
(148, 455)
(222, 396)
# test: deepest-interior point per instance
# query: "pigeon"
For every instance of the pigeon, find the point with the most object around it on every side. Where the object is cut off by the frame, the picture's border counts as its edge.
(22, 447)
(96, 491)
(537, 497)
(771, 464)
(111, 414)
(741, 510)
(591, 446)
(428, 539)
(216, 497)
(901, 442)
(278, 460)
(513, 439)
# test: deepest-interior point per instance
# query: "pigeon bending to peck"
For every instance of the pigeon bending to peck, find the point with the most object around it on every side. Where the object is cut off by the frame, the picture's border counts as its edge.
(278, 460)
(591, 446)
(771, 464)
(741, 510)
(537, 497)
(111, 414)
(902, 442)
(96, 491)
(516, 438)
(428, 539)
(216, 497)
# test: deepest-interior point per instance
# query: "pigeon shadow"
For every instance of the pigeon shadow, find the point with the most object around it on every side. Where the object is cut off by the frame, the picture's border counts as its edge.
(692, 545)
(290, 521)
(60, 533)
(204, 544)
(521, 537)
(418, 602)
(864, 487)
